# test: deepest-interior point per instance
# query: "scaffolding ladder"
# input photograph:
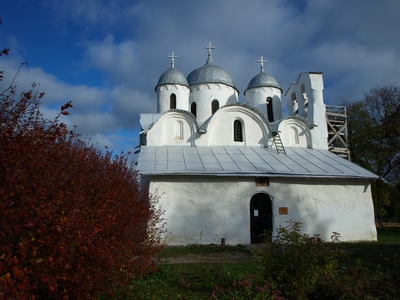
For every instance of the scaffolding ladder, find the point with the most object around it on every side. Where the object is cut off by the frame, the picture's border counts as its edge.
(336, 120)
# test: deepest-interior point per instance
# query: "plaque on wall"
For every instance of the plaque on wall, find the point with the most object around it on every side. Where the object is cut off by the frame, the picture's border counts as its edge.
(283, 210)
(262, 181)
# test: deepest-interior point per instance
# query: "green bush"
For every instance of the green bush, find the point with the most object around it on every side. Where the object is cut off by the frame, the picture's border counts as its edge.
(295, 262)
(247, 288)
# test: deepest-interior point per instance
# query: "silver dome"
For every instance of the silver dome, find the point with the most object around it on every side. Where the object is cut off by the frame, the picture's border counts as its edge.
(172, 76)
(263, 80)
(210, 73)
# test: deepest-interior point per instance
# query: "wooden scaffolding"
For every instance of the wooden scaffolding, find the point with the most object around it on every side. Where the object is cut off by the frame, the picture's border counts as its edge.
(336, 119)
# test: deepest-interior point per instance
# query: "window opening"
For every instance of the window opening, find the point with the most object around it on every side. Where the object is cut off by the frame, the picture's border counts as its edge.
(214, 106)
(193, 108)
(237, 131)
(270, 111)
(172, 101)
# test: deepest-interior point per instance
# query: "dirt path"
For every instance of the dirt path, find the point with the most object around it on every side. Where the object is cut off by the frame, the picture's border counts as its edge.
(234, 256)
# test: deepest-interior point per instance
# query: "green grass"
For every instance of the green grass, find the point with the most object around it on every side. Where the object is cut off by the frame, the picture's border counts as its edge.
(389, 235)
(369, 271)
(190, 281)
(387, 247)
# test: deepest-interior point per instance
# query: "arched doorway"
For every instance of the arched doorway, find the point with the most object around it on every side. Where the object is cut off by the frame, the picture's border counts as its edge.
(260, 216)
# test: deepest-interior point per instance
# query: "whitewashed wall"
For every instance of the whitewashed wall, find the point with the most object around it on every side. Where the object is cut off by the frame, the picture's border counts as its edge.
(257, 98)
(164, 93)
(309, 104)
(204, 94)
(201, 209)
(256, 130)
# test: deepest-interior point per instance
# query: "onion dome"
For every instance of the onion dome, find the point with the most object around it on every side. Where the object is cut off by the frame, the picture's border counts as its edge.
(262, 79)
(210, 73)
(172, 75)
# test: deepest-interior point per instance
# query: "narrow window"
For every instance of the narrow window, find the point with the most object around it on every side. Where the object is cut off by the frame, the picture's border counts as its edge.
(193, 109)
(178, 131)
(172, 101)
(214, 106)
(270, 111)
(237, 131)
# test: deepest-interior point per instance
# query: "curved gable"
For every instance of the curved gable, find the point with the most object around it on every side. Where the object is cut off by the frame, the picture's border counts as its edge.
(295, 132)
(237, 124)
(174, 127)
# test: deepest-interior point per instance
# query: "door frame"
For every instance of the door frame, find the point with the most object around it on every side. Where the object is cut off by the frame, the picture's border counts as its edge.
(255, 232)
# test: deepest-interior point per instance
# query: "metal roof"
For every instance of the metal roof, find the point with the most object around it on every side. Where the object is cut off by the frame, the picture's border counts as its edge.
(262, 80)
(210, 73)
(246, 161)
(172, 76)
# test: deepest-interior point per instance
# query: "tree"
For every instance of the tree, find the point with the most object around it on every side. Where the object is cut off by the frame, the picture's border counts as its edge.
(374, 140)
(74, 221)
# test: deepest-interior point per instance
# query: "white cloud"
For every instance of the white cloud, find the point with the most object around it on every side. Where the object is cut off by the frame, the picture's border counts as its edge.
(354, 44)
(116, 60)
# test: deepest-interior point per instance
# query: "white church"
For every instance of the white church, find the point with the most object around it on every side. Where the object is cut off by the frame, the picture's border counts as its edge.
(228, 169)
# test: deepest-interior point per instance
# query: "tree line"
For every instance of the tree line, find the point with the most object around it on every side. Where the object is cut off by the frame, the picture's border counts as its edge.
(374, 142)
(75, 222)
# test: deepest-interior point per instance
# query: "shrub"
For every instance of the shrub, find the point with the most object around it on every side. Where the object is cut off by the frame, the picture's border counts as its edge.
(247, 288)
(295, 262)
(74, 221)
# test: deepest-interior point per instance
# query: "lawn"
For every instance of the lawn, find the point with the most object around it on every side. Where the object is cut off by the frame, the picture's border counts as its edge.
(369, 270)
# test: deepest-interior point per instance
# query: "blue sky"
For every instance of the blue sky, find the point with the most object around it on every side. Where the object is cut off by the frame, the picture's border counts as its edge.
(107, 56)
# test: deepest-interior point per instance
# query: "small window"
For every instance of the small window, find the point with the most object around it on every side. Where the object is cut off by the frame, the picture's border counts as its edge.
(193, 108)
(237, 131)
(214, 106)
(270, 111)
(172, 101)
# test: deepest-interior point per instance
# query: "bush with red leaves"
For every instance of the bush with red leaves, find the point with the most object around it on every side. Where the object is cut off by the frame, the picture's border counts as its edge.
(74, 221)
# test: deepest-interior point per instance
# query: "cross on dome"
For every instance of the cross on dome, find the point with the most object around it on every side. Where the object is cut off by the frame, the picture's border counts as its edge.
(262, 61)
(209, 48)
(172, 57)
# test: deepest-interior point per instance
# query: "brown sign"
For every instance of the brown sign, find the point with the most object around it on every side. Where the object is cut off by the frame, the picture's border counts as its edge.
(283, 210)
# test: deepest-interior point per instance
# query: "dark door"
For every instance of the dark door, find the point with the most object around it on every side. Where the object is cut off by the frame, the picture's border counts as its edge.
(261, 216)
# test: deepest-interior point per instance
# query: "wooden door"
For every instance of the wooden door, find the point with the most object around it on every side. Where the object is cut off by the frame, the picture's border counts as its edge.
(261, 216)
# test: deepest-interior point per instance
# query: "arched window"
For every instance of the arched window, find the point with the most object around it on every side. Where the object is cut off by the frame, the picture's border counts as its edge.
(178, 130)
(193, 109)
(270, 111)
(214, 106)
(237, 131)
(172, 101)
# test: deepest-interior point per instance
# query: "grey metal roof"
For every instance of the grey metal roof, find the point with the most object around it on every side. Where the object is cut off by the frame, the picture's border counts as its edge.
(210, 73)
(246, 161)
(172, 76)
(262, 80)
